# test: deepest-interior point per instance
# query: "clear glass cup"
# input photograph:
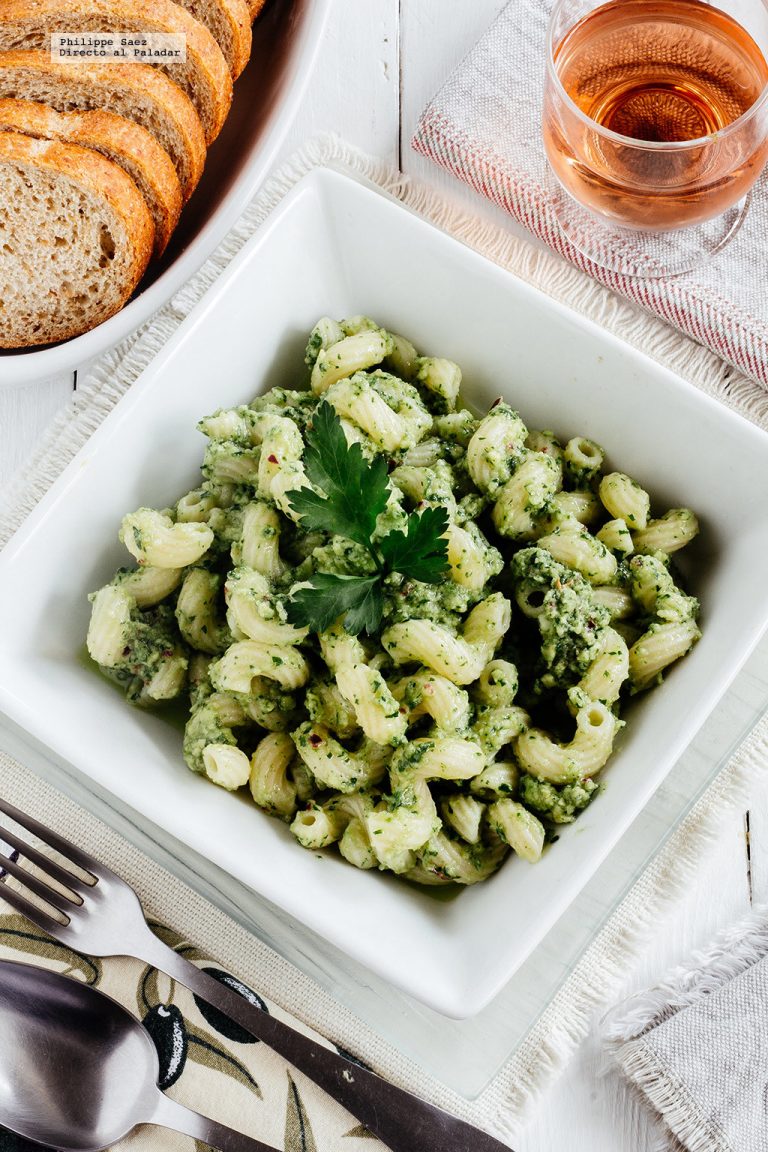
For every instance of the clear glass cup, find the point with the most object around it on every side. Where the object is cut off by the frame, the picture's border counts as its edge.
(656, 126)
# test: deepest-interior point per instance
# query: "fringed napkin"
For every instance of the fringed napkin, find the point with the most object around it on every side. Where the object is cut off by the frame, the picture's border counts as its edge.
(484, 126)
(696, 1046)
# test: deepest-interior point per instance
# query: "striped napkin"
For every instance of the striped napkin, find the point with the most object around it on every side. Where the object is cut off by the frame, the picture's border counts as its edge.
(484, 126)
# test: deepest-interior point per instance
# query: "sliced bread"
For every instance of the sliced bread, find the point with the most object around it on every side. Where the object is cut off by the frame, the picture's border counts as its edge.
(122, 141)
(137, 91)
(75, 238)
(229, 22)
(204, 75)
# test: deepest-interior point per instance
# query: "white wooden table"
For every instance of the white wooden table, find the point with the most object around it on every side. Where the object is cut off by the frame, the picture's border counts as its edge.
(379, 64)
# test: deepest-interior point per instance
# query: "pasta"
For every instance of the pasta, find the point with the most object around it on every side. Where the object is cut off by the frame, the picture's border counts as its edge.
(494, 447)
(258, 545)
(108, 628)
(518, 827)
(148, 586)
(196, 607)
(669, 533)
(398, 832)
(540, 756)
(473, 716)
(351, 354)
(659, 647)
(625, 500)
(536, 479)
(226, 765)
(271, 786)
(153, 538)
(427, 694)
(246, 658)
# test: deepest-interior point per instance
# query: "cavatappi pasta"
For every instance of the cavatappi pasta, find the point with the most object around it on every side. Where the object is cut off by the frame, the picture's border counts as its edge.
(479, 717)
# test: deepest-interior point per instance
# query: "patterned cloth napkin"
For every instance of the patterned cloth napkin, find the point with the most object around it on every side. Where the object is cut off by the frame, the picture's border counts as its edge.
(484, 126)
(206, 1061)
(696, 1046)
(217, 1066)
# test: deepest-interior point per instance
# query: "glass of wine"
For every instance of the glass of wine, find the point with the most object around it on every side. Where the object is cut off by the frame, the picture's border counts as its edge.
(656, 127)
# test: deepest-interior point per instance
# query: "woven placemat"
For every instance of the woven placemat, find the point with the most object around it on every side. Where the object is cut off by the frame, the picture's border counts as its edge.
(503, 1104)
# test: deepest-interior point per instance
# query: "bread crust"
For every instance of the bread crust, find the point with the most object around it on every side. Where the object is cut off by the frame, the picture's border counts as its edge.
(236, 17)
(205, 75)
(99, 178)
(120, 140)
(255, 7)
(97, 86)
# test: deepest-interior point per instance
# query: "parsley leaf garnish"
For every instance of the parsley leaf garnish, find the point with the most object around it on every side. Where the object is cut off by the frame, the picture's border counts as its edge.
(353, 495)
(356, 492)
(357, 598)
(419, 552)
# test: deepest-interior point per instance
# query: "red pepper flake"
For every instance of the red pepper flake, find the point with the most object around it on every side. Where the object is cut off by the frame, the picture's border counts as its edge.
(315, 740)
(272, 458)
(126, 651)
(496, 401)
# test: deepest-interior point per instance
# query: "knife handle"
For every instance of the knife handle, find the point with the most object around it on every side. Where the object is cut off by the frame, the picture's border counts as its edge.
(401, 1121)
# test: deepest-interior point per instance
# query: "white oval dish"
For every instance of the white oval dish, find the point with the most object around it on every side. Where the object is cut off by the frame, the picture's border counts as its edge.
(267, 94)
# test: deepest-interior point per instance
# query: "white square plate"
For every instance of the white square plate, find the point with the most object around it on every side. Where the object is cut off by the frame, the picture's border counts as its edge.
(335, 247)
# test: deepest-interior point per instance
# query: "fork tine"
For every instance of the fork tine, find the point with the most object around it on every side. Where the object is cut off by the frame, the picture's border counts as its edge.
(36, 915)
(43, 862)
(52, 839)
(39, 887)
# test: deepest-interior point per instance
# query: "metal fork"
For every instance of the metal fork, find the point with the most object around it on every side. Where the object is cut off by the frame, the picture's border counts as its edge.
(104, 918)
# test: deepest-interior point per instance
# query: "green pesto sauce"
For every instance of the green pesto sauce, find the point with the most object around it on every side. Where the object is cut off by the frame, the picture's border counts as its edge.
(174, 712)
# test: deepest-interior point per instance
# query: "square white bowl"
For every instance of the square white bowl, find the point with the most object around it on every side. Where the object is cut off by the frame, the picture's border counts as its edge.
(336, 247)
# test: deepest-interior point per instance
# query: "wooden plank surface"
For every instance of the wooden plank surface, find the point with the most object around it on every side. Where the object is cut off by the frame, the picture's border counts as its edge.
(355, 91)
(435, 36)
(25, 410)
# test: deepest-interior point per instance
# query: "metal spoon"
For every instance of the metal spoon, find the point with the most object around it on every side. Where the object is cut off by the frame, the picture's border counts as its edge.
(78, 1072)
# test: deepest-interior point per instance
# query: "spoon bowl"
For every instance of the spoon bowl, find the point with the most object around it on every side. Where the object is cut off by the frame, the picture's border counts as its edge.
(78, 1072)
